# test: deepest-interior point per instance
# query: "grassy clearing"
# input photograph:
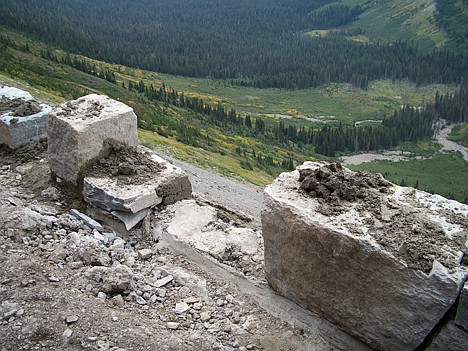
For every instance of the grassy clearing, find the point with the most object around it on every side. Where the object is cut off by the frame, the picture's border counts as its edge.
(314, 33)
(460, 134)
(423, 148)
(226, 165)
(445, 174)
(340, 102)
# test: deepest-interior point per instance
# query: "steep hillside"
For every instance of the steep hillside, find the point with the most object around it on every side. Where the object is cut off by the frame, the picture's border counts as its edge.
(429, 23)
(261, 44)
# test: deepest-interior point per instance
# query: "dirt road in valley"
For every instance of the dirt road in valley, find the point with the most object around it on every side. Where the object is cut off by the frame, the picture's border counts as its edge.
(441, 137)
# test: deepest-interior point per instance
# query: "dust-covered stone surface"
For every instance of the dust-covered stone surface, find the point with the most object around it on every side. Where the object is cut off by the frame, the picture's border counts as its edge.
(23, 120)
(407, 229)
(83, 130)
(67, 284)
(131, 180)
(384, 262)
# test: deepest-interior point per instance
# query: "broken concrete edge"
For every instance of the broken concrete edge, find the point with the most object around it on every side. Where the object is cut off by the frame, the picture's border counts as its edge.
(439, 288)
(17, 131)
(130, 220)
(168, 186)
(9, 119)
(105, 193)
(173, 183)
(87, 220)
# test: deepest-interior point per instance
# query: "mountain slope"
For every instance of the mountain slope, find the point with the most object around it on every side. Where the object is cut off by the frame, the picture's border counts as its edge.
(261, 44)
(413, 20)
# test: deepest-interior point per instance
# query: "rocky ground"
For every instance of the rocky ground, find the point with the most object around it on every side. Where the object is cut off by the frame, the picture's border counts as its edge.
(69, 284)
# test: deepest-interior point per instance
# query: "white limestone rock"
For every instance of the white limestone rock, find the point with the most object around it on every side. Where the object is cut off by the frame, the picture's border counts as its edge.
(79, 130)
(364, 263)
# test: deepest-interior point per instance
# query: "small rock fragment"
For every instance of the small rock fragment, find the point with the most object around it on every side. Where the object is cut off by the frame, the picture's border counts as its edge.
(173, 325)
(67, 333)
(71, 318)
(145, 254)
(181, 307)
(140, 300)
(205, 316)
(163, 281)
(118, 301)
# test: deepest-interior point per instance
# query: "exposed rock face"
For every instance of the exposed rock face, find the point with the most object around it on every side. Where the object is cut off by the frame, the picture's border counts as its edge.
(461, 318)
(450, 338)
(22, 119)
(382, 261)
(81, 131)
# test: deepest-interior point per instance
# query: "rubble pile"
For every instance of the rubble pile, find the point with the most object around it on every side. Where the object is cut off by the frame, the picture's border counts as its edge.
(72, 283)
(386, 263)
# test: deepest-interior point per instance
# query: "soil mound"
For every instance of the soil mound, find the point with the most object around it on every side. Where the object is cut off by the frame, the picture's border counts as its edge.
(127, 165)
(19, 107)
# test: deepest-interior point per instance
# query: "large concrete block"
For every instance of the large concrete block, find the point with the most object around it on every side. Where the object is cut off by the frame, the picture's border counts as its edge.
(81, 131)
(22, 120)
(381, 261)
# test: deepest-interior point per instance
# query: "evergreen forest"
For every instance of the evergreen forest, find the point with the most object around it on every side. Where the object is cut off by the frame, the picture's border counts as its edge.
(262, 43)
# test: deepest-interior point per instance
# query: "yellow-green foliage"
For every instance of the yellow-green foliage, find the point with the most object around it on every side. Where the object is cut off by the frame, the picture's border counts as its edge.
(460, 134)
(392, 20)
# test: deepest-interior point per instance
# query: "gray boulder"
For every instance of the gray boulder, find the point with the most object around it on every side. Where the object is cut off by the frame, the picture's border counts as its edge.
(354, 249)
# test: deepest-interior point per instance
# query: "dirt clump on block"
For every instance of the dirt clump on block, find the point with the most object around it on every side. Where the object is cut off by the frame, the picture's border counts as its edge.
(398, 227)
(127, 165)
(334, 185)
(69, 109)
(19, 107)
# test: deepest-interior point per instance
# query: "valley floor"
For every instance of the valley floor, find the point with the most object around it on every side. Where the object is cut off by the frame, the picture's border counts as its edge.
(441, 137)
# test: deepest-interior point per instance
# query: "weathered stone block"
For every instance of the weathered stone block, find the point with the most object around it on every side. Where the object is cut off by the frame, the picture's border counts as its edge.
(80, 131)
(450, 338)
(168, 185)
(381, 261)
(461, 318)
(107, 194)
(22, 120)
